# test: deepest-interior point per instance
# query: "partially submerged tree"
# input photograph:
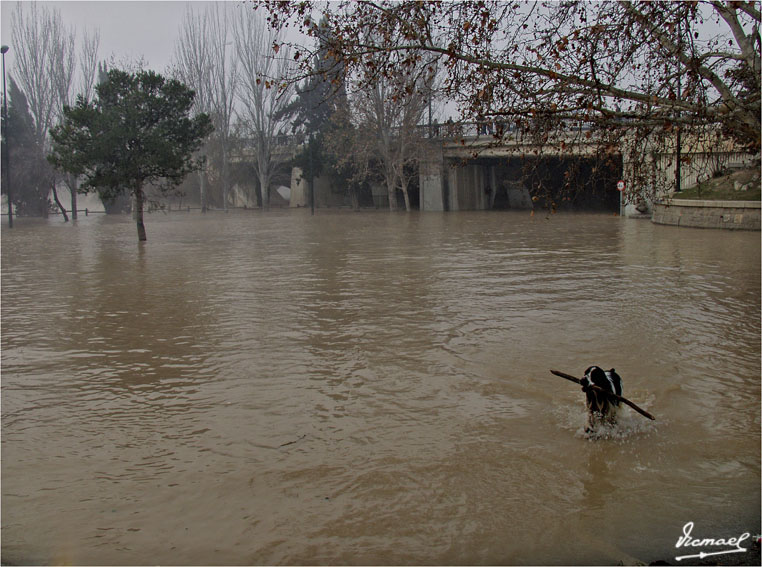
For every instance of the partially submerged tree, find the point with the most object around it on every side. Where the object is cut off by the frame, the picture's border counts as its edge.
(392, 108)
(31, 175)
(316, 115)
(392, 123)
(205, 62)
(543, 71)
(263, 94)
(347, 152)
(137, 131)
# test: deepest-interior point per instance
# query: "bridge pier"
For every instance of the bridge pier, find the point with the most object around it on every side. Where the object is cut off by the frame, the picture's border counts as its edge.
(450, 184)
(637, 201)
(469, 187)
(432, 178)
(300, 189)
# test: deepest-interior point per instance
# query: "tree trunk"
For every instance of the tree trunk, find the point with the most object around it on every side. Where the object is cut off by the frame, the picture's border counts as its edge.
(73, 189)
(139, 198)
(405, 193)
(264, 186)
(225, 175)
(202, 186)
(391, 187)
(58, 202)
(354, 197)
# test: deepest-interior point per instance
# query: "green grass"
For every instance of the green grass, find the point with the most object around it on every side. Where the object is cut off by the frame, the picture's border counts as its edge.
(722, 194)
(723, 188)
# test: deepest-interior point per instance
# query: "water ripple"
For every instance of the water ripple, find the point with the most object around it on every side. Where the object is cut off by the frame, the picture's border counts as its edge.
(371, 388)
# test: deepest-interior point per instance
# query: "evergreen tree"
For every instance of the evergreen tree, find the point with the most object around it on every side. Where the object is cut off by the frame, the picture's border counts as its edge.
(321, 93)
(31, 175)
(320, 96)
(137, 131)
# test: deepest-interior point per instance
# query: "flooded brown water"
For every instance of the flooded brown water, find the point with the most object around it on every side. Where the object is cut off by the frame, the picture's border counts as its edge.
(373, 388)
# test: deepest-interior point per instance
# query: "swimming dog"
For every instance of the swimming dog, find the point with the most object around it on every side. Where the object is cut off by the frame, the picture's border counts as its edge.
(601, 407)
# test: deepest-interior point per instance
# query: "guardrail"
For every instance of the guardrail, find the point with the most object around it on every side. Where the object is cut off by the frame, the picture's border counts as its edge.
(86, 211)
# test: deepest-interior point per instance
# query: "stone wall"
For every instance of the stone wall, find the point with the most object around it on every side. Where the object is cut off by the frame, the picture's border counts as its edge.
(739, 215)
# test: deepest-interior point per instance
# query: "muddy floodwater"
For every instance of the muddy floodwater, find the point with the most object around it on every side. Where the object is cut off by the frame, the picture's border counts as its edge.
(373, 388)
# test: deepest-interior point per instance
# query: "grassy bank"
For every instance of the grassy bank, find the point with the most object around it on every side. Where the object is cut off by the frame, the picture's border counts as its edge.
(723, 188)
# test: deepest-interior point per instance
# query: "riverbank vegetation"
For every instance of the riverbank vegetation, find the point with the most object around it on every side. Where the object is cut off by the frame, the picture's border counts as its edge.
(741, 185)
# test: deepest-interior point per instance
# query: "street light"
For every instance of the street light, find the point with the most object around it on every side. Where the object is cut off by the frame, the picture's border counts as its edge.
(3, 50)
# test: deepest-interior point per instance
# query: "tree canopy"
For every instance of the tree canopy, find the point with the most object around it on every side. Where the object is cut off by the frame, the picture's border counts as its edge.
(138, 130)
(649, 62)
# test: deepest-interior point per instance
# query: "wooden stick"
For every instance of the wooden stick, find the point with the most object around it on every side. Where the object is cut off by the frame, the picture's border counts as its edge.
(594, 387)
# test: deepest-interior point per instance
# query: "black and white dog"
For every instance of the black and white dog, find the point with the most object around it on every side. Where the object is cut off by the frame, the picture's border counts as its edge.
(601, 407)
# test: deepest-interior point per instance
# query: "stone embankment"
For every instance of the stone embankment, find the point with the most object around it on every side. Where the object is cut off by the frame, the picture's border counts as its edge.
(739, 215)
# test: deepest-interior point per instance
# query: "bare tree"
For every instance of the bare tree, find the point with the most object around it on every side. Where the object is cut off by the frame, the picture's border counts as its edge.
(392, 108)
(88, 63)
(61, 74)
(32, 29)
(204, 61)
(223, 85)
(193, 67)
(348, 151)
(264, 93)
(46, 68)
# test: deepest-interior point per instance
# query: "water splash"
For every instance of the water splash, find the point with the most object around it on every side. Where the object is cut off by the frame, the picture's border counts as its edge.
(626, 427)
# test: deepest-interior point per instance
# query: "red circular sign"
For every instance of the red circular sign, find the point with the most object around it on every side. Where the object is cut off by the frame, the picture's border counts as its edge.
(620, 186)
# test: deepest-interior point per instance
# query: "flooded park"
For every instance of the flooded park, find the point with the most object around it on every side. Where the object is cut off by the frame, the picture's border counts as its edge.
(373, 388)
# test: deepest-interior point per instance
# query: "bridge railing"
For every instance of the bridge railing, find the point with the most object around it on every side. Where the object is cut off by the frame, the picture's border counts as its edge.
(477, 129)
(446, 130)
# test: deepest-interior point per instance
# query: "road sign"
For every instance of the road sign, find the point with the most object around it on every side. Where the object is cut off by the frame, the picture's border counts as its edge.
(620, 186)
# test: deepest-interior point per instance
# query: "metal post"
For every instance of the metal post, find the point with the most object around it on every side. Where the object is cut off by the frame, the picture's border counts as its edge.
(6, 157)
(312, 180)
(679, 127)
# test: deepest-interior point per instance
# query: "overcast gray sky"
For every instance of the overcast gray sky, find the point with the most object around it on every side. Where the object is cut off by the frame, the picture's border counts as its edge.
(128, 29)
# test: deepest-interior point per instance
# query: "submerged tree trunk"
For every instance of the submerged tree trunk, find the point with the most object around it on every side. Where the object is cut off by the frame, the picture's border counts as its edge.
(391, 188)
(73, 189)
(264, 185)
(354, 197)
(404, 182)
(225, 176)
(58, 202)
(139, 199)
(202, 186)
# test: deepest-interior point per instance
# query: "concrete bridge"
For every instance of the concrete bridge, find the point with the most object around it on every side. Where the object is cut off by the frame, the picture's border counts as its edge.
(466, 169)
(463, 167)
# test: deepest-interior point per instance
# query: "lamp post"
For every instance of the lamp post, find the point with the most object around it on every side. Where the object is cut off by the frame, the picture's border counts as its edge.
(3, 50)
(312, 178)
(678, 141)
